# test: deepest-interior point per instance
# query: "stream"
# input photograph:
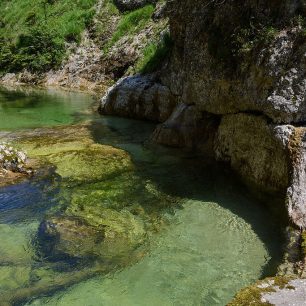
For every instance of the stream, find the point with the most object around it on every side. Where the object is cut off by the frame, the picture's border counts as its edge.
(169, 227)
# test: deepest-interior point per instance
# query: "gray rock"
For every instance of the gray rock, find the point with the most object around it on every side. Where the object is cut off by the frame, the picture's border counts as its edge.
(139, 97)
(188, 128)
(294, 294)
(296, 193)
(204, 70)
(129, 5)
(255, 150)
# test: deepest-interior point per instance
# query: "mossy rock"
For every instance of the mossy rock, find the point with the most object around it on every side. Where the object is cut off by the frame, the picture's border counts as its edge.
(44, 142)
(105, 234)
(13, 277)
(74, 154)
(127, 190)
(93, 163)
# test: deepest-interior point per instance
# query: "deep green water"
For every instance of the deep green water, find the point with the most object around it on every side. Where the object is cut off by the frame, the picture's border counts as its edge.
(211, 237)
(19, 108)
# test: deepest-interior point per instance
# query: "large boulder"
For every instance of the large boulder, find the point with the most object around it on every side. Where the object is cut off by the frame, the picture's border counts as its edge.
(139, 97)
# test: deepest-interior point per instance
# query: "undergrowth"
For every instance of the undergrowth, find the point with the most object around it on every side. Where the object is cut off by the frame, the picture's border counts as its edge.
(33, 33)
(154, 55)
(131, 23)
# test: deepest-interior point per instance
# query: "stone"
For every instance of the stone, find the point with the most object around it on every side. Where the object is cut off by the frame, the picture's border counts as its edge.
(188, 128)
(129, 5)
(293, 294)
(296, 193)
(255, 150)
(205, 69)
(139, 97)
(69, 236)
(102, 233)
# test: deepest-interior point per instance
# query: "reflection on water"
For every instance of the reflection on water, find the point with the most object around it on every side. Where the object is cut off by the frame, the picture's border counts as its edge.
(205, 237)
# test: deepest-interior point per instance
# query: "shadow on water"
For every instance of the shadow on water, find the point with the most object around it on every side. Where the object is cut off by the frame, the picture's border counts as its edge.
(174, 173)
(184, 175)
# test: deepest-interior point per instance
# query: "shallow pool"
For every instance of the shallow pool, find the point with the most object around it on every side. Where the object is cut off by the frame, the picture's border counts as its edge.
(177, 230)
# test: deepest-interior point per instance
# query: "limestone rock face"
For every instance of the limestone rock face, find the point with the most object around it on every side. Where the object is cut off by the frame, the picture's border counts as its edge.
(234, 88)
(187, 127)
(254, 149)
(129, 5)
(296, 194)
(139, 97)
(252, 75)
(222, 70)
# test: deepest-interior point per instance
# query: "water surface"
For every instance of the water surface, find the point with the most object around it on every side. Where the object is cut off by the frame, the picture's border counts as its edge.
(29, 108)
(208, 237)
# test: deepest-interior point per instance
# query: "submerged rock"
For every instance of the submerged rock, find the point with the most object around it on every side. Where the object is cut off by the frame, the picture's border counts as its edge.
(106, 234)
(69, 236)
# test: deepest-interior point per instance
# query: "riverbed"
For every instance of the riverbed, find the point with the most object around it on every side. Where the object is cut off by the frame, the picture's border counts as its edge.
(186, 231)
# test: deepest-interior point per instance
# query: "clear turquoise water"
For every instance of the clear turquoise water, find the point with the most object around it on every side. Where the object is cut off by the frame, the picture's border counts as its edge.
(27, 108)
(216, 239)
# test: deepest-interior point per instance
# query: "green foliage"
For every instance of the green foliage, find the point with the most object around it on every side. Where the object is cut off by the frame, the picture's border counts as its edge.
(33, 33)
(38, 50)
(131, 23)
(154, 55)
(105, 19)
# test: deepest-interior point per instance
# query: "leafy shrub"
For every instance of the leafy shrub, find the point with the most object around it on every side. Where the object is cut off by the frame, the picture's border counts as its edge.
(38, 50)
(33, 33)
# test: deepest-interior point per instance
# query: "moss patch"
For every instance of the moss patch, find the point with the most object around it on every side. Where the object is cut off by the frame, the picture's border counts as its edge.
(252, 294)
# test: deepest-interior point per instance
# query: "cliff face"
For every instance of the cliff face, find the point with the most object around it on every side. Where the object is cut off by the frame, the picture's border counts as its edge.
(239, 56)
(237, 73)
(244, 61)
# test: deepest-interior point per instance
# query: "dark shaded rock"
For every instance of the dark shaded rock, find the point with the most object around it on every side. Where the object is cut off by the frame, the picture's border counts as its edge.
(129, 5)
(255, 149)
(69, 236)
(188, 128)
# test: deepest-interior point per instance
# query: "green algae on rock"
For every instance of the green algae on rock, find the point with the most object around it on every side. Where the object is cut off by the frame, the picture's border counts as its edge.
(74, 154)
(253, 295)
(93, 163)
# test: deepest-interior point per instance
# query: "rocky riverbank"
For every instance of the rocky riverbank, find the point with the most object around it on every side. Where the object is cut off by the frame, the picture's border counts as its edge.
(237, 77)
(247, 110)
(14, 165)
(233, 90)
